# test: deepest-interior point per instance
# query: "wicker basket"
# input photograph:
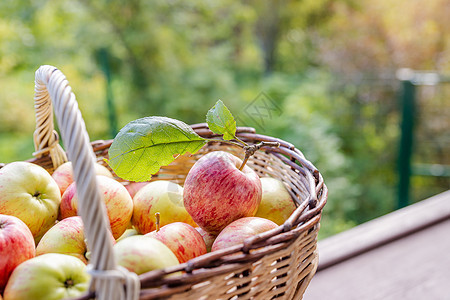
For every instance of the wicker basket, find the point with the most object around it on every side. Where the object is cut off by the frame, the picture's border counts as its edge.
(276, 264)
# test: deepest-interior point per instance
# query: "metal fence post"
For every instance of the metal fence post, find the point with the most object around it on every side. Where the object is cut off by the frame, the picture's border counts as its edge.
(408, 108)
(112, 117)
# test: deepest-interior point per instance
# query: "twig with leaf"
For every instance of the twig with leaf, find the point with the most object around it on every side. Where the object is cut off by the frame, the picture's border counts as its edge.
(144, 145)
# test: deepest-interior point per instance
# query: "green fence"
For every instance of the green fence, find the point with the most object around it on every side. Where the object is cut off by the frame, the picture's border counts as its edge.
(424, 149)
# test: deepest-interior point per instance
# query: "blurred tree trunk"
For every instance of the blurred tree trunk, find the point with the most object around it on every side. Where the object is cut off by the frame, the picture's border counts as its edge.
(268, 31)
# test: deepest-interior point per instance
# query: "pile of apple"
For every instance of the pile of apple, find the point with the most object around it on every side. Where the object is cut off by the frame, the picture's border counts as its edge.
(43, 251)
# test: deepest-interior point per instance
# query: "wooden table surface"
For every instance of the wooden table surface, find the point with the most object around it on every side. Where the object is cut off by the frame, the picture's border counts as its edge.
(404, 255)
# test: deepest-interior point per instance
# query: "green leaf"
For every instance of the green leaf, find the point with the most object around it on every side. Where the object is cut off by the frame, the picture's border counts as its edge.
(221, 121)
(143, 146)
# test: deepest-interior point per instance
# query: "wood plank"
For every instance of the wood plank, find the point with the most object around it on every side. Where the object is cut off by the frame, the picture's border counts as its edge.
(383, 230)
(416, 266)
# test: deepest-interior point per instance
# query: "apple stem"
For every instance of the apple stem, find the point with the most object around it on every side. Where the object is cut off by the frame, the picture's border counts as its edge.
(87, 253)
(227, 142)
(251, 149)
(244, 161)
(240, 141)
(157, 215)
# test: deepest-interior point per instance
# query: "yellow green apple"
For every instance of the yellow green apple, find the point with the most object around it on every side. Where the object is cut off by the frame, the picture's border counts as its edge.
(66, 237)
(276, 202)
(51, 276)
(141, 254)
(128, 232)
(28, 192)
(161, 196)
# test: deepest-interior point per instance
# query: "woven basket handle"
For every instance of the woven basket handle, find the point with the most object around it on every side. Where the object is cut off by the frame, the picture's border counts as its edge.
(46, 140)
(51, 86)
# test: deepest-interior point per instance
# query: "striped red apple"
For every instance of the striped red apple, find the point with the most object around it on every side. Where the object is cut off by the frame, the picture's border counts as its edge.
(63, 175)
(239, 230)
(16, 246)
(119, 205)
(217, 193)
(184, 241)
(207, 237)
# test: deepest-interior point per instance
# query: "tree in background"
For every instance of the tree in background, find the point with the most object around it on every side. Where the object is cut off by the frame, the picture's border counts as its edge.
(365, 44)
(327, 65)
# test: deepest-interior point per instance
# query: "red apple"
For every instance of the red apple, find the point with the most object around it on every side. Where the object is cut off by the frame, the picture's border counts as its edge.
(184, 241)
(141, 254)
(28, 192)
(239, 230)
(16, 246)
(216, 192)
(134, 187)
(276, 203)
(63, 175)
(160, 196)
(119, 205)
(207, 237)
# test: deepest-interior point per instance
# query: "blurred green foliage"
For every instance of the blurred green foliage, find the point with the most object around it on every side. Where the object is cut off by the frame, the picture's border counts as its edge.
(328, 65)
